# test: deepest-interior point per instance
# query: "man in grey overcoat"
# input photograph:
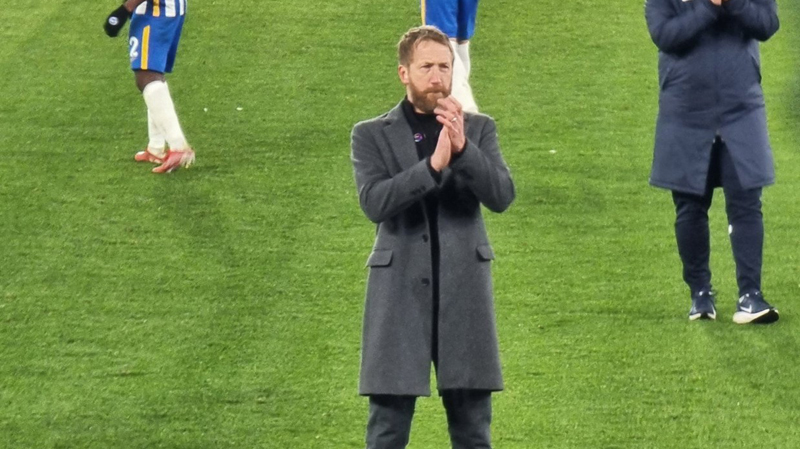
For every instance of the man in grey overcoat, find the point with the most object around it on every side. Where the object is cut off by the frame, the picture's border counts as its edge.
(712, 131)
(423, 170)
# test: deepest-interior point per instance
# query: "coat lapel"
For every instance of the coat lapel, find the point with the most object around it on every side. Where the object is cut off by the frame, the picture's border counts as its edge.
(401, 141)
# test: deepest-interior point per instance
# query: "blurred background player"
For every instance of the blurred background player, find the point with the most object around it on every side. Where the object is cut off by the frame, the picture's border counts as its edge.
(456, 19)
(153, 39)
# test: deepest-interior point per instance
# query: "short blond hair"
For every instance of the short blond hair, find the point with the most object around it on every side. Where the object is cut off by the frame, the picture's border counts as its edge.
(408, 43)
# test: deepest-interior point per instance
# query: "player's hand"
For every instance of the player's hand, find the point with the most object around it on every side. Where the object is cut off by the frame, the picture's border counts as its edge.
(443, 152)
(717, 2)
(450, 114)
(116, 20)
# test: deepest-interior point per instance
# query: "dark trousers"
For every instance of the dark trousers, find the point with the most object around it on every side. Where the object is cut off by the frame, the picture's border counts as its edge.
(746, 226)
(469, 417)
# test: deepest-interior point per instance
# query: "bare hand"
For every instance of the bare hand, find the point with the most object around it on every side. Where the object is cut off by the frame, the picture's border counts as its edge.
(449, 114)
(717, 2)
(443, 152)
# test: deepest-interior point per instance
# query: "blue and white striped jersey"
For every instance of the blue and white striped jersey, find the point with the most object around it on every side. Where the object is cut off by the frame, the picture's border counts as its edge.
(162, 8)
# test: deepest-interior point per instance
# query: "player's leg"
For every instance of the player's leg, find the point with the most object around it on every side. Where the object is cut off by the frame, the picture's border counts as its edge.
(389, 424)
(460, 87)
(443, 14)
(156, 146)
(153, 46)
(161, 108)
(469, 418)
(158, 143)
(156, 150)
(180, 154)
(462, 50)
(467, 14)
(465, 28)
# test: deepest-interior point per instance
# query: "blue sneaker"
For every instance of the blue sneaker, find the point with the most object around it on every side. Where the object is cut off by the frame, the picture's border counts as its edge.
(752, 308)
(703, 306)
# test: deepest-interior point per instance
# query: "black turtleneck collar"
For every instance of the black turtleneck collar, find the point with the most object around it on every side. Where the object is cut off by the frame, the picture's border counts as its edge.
(425, 130)
(416, 118)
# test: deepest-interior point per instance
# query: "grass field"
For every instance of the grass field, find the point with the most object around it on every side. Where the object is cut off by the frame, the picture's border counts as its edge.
(220, 307)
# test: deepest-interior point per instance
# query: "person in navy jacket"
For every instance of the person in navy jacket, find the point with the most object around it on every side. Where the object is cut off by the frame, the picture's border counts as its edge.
(711, 131)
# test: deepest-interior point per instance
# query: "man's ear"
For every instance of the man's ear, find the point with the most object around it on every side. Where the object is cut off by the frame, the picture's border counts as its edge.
(402, 72)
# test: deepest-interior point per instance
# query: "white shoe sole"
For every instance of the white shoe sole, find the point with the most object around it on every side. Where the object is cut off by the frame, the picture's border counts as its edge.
(703, 316)
(762, 317)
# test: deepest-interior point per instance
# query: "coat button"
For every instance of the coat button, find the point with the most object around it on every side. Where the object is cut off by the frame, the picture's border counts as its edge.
(426, 282)
(424, 237)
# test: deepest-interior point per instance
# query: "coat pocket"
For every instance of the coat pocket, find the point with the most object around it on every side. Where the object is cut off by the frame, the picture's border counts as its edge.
(380, 258)
(485, 252)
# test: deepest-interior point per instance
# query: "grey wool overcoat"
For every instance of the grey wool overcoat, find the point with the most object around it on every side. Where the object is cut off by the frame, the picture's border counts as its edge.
(392, 183)
(709, 73)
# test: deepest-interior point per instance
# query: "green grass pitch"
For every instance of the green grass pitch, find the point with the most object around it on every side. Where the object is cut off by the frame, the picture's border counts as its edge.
(220, 307)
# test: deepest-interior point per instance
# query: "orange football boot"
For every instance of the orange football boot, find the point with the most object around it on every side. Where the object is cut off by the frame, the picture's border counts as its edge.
(174, 160)
(147, 156)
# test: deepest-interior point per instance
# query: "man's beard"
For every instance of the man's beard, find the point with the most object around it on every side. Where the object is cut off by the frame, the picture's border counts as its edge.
(426, 101)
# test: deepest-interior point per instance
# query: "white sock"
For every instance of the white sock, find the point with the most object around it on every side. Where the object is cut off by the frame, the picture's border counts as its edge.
(162, 110)
(463, 52)
(157, 142)
(461, 88)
